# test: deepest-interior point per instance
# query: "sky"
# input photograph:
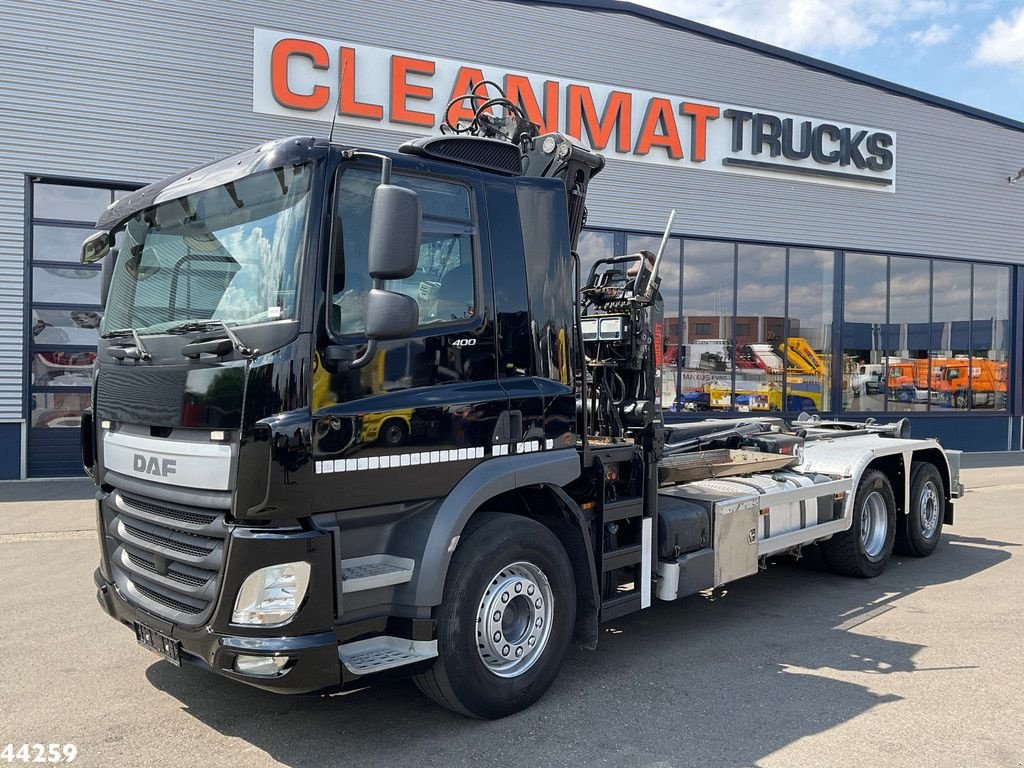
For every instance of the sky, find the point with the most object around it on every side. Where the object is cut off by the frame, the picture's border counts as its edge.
(970, 51)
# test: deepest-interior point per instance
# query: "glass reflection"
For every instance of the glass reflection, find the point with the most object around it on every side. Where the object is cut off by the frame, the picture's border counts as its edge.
(907, 383)
(808, 345)
(706, 326)
(864, 316)
(990, 324)
(58, 409)
(950, 337)
(63, 326)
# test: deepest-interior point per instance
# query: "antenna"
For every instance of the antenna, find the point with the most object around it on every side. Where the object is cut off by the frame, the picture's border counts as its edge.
(337, 104)
(651, 282)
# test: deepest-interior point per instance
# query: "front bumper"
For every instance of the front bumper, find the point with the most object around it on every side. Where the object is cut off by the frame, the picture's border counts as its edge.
(313, 658)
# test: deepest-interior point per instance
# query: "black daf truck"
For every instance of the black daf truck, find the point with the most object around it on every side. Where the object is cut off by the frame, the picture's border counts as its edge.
(358, 415)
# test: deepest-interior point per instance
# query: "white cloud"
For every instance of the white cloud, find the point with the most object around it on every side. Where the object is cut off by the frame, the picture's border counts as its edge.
(936, 34)
(1003, 41)
(807, 25)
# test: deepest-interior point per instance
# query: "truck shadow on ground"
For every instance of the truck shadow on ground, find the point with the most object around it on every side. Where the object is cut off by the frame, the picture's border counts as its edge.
(721, 679)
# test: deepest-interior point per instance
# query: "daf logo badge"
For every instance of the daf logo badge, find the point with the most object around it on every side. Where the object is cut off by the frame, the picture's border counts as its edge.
(151, 465)
(752, 536)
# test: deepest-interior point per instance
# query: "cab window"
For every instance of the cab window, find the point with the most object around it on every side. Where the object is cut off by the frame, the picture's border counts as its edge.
(443, 284)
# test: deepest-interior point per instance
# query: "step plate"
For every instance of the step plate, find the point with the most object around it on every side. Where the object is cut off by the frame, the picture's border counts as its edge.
(374, 571)
(377, 654)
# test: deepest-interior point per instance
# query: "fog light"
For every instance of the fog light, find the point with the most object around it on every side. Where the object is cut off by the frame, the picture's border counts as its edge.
(272, 595)
(260, 666)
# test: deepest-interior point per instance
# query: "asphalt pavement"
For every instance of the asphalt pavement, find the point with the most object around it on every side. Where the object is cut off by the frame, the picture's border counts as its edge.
(922, 666)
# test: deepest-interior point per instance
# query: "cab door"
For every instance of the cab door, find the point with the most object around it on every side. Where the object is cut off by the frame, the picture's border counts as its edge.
(422, 414)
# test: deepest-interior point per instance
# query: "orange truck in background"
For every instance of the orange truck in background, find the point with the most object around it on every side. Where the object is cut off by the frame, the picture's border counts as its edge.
(908, 379)
(979, 382)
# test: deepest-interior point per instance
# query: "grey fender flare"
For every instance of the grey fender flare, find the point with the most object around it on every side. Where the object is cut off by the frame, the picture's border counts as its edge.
(485, 481)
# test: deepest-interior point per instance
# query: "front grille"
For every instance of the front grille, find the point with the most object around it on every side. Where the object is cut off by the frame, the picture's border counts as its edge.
(166, 557)
(177, 546)
(169, 602)
(172, 574)
(192, 516)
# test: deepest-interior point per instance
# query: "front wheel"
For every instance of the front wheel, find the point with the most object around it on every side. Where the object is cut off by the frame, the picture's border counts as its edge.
(864, 549)
(506, 620)
(920, 528)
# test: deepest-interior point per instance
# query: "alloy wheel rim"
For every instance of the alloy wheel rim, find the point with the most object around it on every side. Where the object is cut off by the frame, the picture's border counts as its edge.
(513, 619)
(928, 508)
(874, 525)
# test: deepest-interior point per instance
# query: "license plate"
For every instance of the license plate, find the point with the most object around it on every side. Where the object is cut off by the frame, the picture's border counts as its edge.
(166, 646)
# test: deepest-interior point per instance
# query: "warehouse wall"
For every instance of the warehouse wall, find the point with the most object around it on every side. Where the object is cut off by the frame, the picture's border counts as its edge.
(129, 92)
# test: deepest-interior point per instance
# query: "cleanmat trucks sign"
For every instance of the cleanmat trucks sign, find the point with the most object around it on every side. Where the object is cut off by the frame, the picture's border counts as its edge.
(311, 77)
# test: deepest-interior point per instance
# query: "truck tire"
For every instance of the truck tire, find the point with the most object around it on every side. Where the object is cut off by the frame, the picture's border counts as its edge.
(394, 433)
(918, 532)
(505, 621)
(863, 550)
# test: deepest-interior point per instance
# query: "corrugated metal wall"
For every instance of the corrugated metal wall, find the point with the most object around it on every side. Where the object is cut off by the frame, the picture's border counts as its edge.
(131, 91)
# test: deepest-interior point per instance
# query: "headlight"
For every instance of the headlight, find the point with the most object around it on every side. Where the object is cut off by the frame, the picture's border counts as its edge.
(271, 595)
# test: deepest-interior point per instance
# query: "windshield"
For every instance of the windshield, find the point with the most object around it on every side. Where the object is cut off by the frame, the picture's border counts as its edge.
(229, 253)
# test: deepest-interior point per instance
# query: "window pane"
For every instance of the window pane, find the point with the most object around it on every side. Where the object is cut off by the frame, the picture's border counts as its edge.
(669, 273)
(906, 343)
(591, 247)
(67, 203)
(58, 243)
(863, 320)
(760, 327)
(989, 336)
(62, 326)
(808, 349)
(63, 285)
(59, 409)
(443, 284)
(950, 336)
(705, 379)
(202, 257)
(62, 369)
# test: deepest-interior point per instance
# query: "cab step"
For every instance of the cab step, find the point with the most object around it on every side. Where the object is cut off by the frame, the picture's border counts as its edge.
(365, 657)
(375, 571)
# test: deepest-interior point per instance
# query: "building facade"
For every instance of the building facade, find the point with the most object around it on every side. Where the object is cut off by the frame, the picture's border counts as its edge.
(843, 245)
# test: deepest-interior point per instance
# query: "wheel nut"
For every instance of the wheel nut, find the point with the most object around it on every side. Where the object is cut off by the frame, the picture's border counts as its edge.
(532, 641)
(539, 622)
(529, 590)
(497, 637)
(519, 587)
(519, 652)
(537, 604)
(505, 651)
(504, 597)
(497, 616)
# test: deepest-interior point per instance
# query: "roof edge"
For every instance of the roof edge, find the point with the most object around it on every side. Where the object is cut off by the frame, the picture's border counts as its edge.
(661, 17)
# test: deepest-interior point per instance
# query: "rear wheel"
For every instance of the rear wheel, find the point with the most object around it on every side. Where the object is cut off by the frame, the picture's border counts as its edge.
(920, 528)
(864, 549)
(506, 619)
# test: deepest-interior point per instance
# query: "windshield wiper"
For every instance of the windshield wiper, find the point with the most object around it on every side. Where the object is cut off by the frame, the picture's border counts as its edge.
(139, 353)
(202, 325)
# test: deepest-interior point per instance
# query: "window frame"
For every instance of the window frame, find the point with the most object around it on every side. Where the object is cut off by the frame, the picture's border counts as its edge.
(1015, 356)
(116, 189)
(445, 327)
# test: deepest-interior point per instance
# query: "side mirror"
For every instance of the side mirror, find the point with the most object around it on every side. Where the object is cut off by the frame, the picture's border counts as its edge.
(95, 247)
(107, 275)
(390, 315)
(395, 224)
